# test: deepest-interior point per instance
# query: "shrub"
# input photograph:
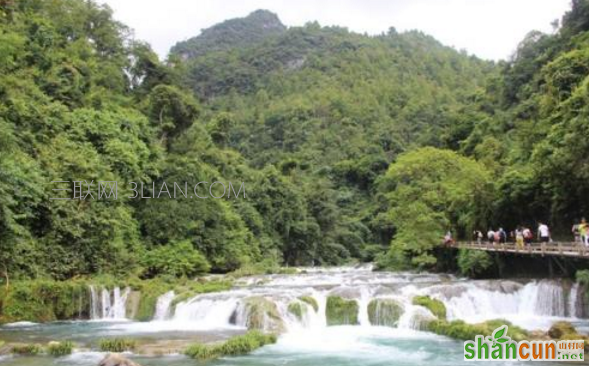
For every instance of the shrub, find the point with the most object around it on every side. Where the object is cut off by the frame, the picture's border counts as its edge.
(239, 345)
(59, 349)
(27, 349)
(176, 259)
(117, 344)
(435, 306)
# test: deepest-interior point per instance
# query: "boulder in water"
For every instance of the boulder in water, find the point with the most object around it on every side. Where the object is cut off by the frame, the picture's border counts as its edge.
(559, 329)
(384, 312)
(115, 359)
(311, 301)
(340, 311)
(435, 306)
(298, 309)
(262, 314)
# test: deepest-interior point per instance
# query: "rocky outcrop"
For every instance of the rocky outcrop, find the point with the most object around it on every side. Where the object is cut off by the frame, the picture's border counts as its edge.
(340, 311)
(384, 312)
(115, 359)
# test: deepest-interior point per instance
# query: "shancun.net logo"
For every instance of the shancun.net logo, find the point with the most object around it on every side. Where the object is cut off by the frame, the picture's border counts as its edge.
(499, 347)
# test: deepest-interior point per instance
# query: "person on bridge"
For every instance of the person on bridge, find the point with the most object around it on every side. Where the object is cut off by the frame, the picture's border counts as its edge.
(491, 236)
(584, 231)
(577, 233)
(519, 237)
(543, 233)
(502, 236)
(528, 236)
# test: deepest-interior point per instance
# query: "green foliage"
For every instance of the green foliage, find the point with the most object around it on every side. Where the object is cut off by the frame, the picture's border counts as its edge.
(472, 263)
(430, 191)
(43, 300)
(117, 344)
(27, 349)
(238, 345)
(458, 329)
(175, 259)
(59, 349)
(339, 311)
(435, 306)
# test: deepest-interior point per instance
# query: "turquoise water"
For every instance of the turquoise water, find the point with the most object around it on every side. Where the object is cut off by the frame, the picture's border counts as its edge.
(332, 346)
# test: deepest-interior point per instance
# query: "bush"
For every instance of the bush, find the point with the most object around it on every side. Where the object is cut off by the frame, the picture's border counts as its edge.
(435, 306)
(27, 349)
(59, 349)
(473, 262)
(239, 345)
(176, 259)
(117, 344)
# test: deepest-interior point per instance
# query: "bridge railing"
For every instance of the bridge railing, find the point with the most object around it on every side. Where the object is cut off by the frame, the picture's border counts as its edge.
(552, 248)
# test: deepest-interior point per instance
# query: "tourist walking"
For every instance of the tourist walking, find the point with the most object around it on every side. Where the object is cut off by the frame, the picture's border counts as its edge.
(491, 236)
(576, 233)
(584, 231)
(519, 237)
(543, 233)
(528, 236)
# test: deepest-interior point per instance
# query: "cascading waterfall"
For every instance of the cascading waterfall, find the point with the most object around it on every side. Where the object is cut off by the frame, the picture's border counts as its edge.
(532, 304)
(573, 298)
(102, 308)
(163, 306)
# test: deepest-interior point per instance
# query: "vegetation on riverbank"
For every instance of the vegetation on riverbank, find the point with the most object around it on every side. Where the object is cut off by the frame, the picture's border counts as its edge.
(235, 346)
(117, 345)
(48, 300)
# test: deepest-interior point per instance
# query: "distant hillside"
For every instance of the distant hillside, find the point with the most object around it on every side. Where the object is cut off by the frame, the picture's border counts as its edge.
(238, 32)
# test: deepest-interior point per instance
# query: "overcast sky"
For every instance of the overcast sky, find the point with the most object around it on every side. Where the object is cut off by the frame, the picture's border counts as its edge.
(490, 29)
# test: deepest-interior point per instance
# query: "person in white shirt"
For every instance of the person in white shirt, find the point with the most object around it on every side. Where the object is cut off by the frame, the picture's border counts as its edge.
(543, 233)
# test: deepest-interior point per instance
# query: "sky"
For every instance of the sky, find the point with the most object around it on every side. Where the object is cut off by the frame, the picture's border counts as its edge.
(490, 29)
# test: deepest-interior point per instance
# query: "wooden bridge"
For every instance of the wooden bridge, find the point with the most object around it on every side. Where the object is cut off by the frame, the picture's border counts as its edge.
(577, 250)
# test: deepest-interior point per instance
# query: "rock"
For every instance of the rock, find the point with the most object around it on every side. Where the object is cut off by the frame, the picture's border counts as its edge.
(340, 311)
(435, 306)
(261, 313)
(384, 312)
(115, 359)
(311, 301)
(559, 329)
(297, 309)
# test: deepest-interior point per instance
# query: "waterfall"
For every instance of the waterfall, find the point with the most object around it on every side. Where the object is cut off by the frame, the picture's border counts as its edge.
(162, 307)
(573, 297)
(207, 312)
(102, 308)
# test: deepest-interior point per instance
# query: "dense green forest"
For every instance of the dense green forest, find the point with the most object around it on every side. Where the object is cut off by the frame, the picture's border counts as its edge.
(351, 147)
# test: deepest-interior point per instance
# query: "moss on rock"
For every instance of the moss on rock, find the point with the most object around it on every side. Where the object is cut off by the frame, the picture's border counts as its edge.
(340, 311)
(458, 329)
(561, 328)
(239, 345)
(384, 312)
(298, 309)
(311, 301)
(435, 306)
(262, 314)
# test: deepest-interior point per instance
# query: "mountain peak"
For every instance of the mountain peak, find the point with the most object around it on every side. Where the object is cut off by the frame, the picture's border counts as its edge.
(232, 33)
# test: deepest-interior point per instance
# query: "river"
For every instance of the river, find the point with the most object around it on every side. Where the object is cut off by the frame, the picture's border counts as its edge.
(306, 341)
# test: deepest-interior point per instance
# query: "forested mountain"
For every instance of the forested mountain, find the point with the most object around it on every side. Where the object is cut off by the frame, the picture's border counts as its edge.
(233, 33)
(344, 142)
